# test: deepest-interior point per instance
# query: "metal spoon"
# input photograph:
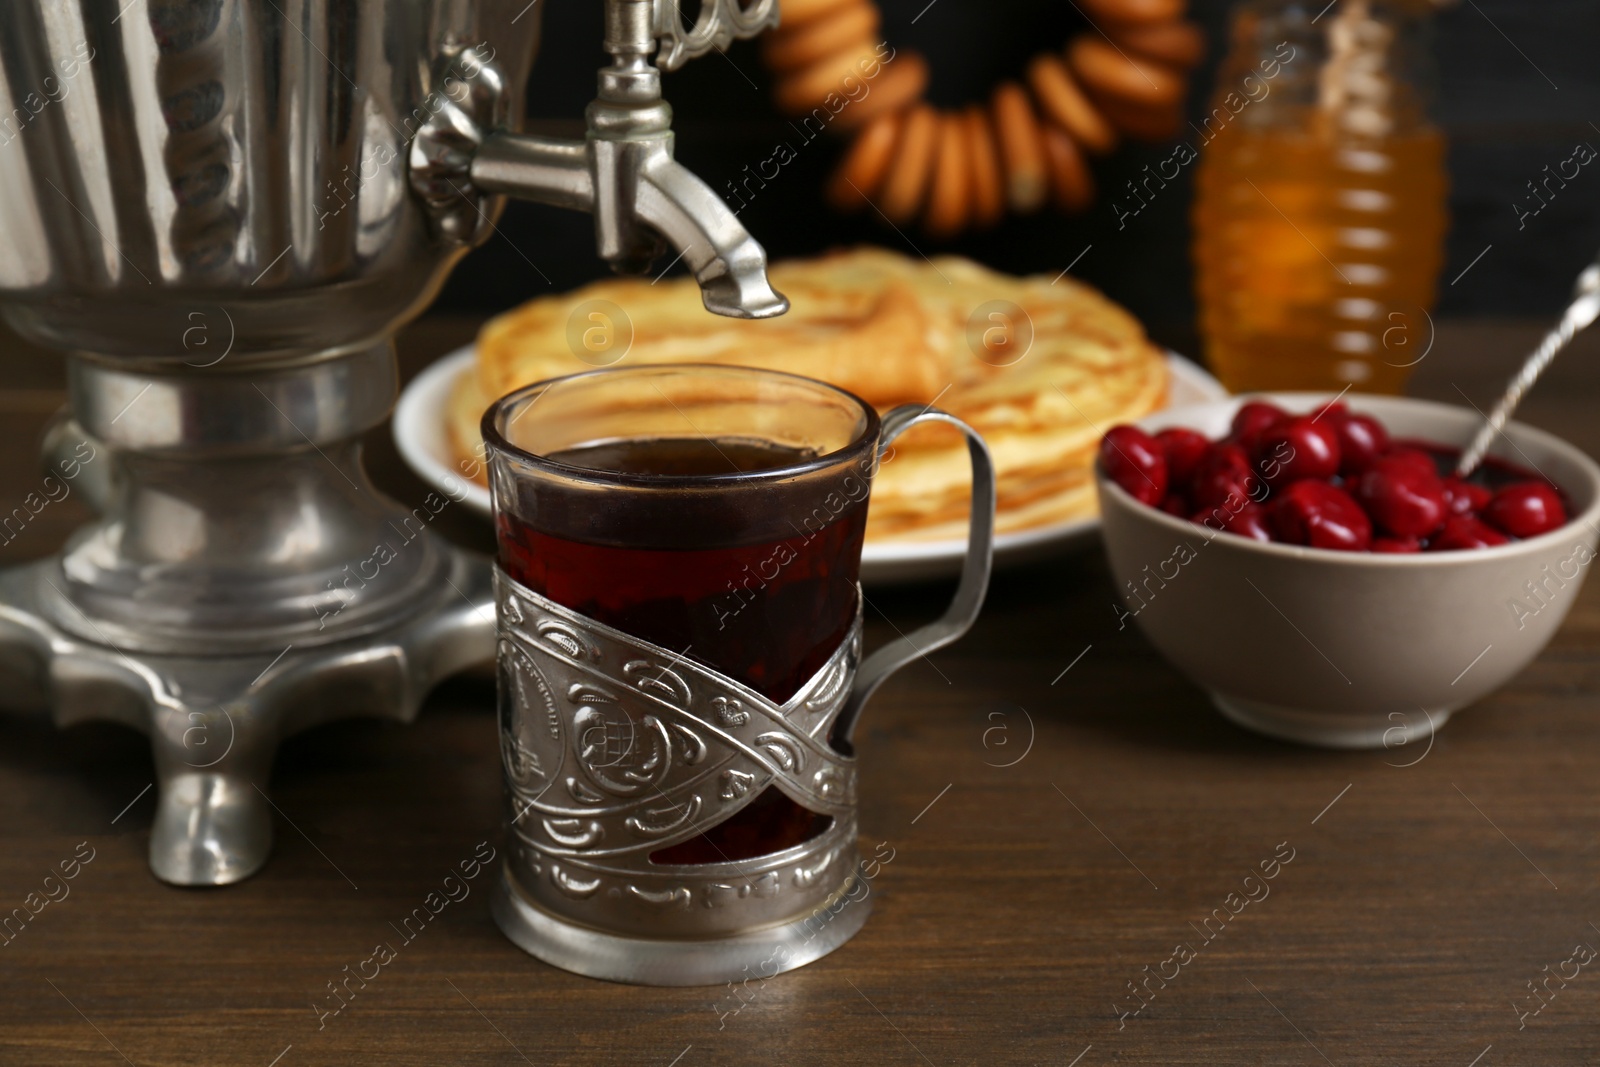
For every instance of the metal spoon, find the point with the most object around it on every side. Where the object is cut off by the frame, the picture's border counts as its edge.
(1583, 310)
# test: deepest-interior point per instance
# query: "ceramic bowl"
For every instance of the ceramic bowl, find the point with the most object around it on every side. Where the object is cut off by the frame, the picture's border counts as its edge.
(1345, 649)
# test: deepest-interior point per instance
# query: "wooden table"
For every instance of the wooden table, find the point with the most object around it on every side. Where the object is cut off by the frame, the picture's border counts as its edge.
(1063, 811)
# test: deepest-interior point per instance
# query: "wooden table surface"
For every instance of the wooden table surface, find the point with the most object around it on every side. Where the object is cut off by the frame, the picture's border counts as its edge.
(1056, 833)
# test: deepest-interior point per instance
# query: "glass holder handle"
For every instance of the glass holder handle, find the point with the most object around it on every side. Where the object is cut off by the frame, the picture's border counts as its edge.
(970, 591)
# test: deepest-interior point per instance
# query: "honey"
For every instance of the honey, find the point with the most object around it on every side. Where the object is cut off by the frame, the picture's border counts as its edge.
(1319, 215)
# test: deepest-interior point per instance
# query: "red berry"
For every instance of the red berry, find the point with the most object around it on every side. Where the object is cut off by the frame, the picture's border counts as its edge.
(1396, 545)
(1464, 531)
(1184, 448)
(1295, 448)
(1333, 412)
(1362, 439)
(1175, 504)
(1248, 521)
(1322, 516)
(1414, 457)
(1132, 458)
(1464, 498)
(1525, 509)
(1404, 499)
(1252, 420)
(1223, 472)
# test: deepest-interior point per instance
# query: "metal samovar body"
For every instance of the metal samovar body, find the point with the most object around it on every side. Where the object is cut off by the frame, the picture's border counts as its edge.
(221, 211)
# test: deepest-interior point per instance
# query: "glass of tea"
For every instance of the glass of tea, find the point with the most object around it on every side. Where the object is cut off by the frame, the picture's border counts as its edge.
(680, 672)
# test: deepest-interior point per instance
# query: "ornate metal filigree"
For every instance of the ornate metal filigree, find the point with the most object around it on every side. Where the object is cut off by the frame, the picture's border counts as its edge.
(719, 24)
(615, 749)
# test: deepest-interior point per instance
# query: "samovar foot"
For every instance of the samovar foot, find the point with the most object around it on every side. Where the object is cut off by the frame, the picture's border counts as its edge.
(215, 721)
(210, 828)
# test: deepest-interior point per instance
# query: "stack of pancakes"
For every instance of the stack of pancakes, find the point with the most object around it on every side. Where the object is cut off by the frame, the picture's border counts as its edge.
(1039, 367)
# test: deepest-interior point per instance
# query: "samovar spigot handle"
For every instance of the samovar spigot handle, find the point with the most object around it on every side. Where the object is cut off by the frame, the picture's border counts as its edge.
(721, 22)
(624, 171)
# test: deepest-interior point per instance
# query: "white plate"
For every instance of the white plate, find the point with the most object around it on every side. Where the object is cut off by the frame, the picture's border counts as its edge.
(424, 443)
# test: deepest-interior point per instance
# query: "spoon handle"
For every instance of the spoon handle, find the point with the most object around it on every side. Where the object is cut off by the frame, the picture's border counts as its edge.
(1579, 314)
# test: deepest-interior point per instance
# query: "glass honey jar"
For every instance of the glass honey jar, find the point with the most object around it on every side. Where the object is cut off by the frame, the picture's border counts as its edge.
(1320, 206)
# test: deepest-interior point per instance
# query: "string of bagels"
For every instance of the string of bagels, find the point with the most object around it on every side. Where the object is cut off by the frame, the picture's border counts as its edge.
(1125, 77)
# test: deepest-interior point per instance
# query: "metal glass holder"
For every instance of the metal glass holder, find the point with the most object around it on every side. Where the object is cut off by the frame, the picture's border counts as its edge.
(615, 749)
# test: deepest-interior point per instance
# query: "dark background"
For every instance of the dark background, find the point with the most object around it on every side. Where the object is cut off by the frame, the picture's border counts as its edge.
(1518, 85)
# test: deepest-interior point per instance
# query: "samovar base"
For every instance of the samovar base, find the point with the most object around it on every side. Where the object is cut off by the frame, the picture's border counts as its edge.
(759, 953)
(215, 721)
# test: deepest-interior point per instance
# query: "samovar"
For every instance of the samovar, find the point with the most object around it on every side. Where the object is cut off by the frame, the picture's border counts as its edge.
(292, 179)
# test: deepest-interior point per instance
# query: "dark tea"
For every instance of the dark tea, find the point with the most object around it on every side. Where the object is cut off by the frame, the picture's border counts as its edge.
(766, 611)
(760, 586)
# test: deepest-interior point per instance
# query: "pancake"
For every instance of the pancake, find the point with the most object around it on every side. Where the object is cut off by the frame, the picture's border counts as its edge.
(1039, 366)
